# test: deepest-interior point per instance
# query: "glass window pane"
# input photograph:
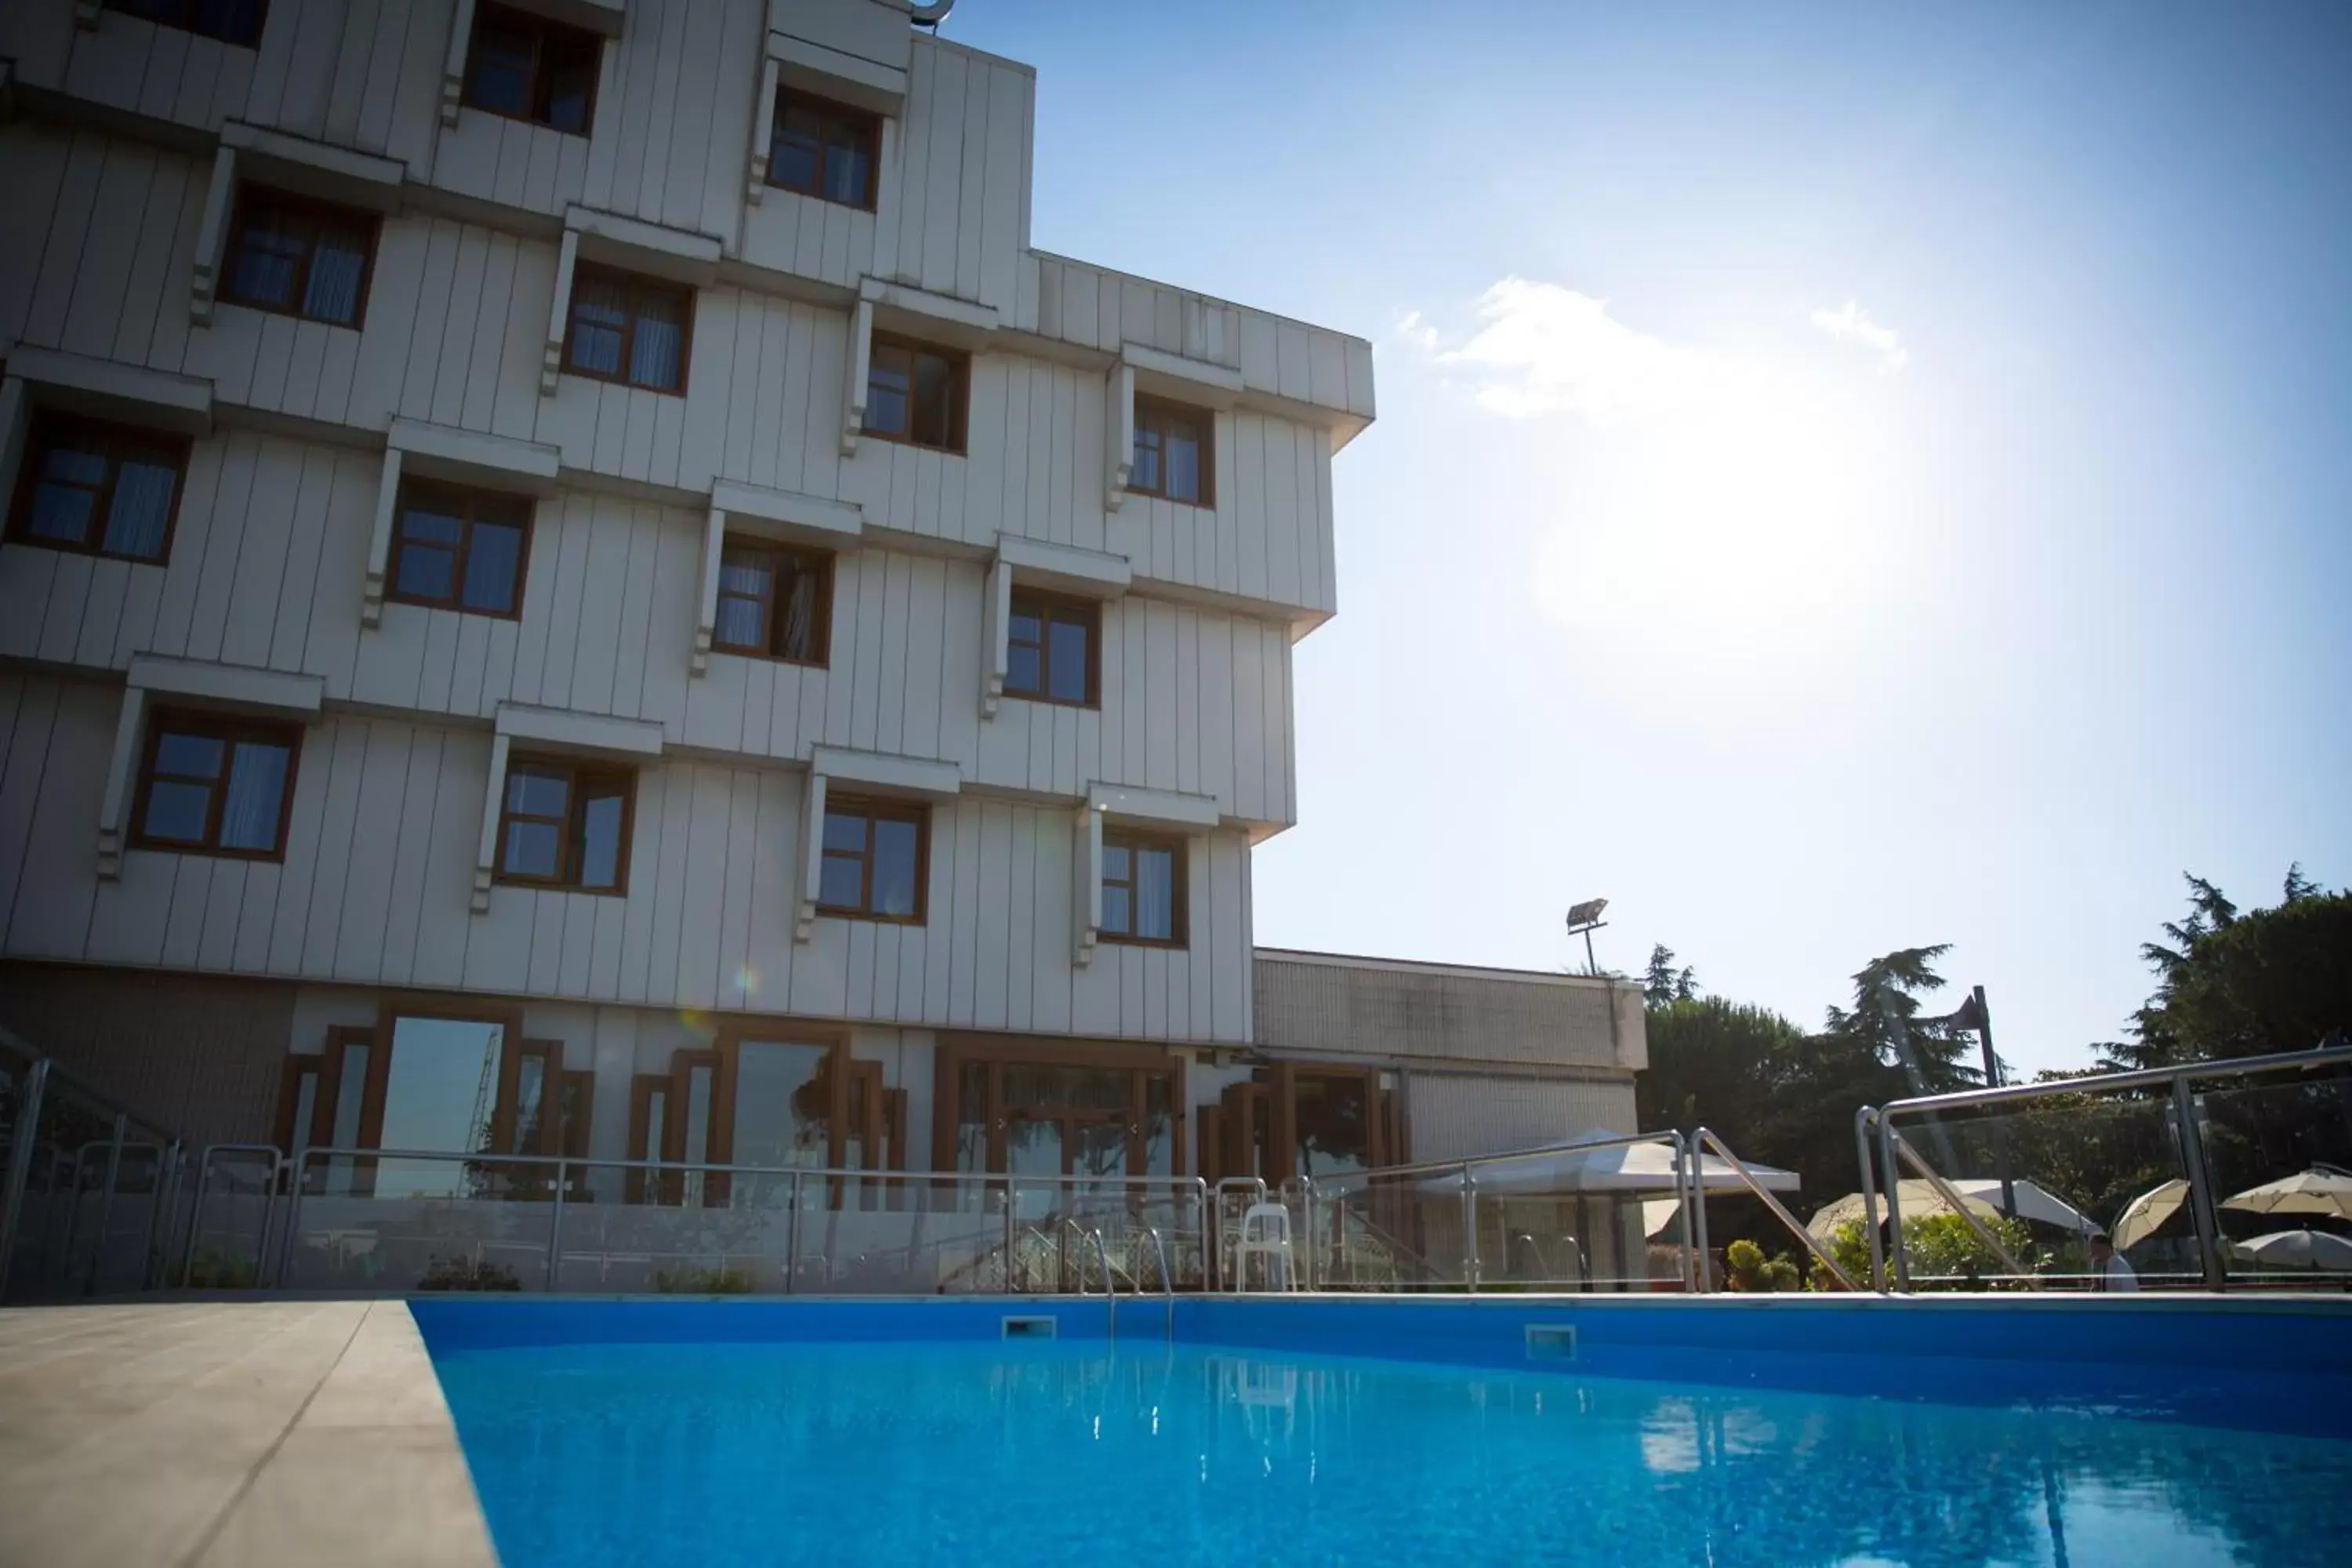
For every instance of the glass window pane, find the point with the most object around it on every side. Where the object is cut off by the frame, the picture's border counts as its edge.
(439, 1095)
(426, 523)
(738, 623)
(1114, 863)
(1027, 627)
(782, 1105)
(846, 172)
(534, 848)
(841, 885)
(177, 811)
(1146, 476)
(74, 465)
(501, 75)
(198, 756)
(599, 313)
(569, 71)
(896, 846)
(537, 794)
(1115, 909)
(142, 508)
(351, 1097)
(425, 571)
(888, 387)
(267, 258)
(530, 1097)
(844, 830)
(1023, 669)
(798, 638)
(1155, 894)
(792, 159)
(60, 512)
(256, 789)
(1100, 1149)
(744, 573)
(493, 562)
(600, 847)
(1033, 1149)
(1067, 664)
(656, 360)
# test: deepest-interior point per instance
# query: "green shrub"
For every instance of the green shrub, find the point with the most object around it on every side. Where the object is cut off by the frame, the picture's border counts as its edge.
(703, 1282)
(209, 1270)
(465, 1273)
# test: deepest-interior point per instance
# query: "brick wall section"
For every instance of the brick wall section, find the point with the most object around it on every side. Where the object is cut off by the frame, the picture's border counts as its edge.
(202, 1057)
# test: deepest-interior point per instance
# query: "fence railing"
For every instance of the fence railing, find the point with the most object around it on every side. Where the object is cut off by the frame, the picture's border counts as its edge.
(89, 1189)
(2182, 1154)
(400, 1219)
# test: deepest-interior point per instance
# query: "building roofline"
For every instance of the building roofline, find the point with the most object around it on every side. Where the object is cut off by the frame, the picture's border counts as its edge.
(1425, 966)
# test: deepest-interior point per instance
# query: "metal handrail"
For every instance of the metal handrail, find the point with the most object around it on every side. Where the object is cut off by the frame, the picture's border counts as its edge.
(2137, 1078)
(1701, 1141)
(1167, 1281)
(1952, 1198)
(42, 1073)
(1215, 1270)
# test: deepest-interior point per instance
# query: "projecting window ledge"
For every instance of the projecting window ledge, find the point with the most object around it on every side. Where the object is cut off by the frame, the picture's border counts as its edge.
(865, 773)
(1177, 376)
(319, 169)
(1163, 808)
(585, 734)
(187, 683)
(875, 86)
(614, 239)
(416, 449)
(107, 389)
(786, 516)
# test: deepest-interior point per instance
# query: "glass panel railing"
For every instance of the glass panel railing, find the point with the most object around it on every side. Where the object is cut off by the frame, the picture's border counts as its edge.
(2281, 1158)
(434, 1222)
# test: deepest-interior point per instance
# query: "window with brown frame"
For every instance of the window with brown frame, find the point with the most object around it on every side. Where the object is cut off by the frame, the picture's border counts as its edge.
(563, 824)
(295, 257)
(1173, 447)
(461, 549)
(1049, 649)
(629, 329)
(648, 1134)
(234, 22)
(1315, 1121)
(773, 601)
(915, 393)
(1143, 889)
(99, 488)
(298, 1101)
(525, 67)
(825, 149)
(875, 859)
(1057, 1107)
(216, 784)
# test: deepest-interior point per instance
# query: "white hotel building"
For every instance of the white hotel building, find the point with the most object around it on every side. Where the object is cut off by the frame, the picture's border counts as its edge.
(586, 528)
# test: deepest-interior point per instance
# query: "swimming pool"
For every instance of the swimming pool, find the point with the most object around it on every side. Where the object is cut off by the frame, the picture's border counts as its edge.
(1377, 1431)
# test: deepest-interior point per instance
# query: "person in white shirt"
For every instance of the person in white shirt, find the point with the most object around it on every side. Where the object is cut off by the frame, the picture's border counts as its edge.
(2108, 1270)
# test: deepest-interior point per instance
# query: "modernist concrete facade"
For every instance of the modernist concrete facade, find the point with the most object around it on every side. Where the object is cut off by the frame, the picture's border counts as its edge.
(595, 519)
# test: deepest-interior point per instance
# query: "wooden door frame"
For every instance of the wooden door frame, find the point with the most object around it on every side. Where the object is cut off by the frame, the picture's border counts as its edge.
(955, 1051)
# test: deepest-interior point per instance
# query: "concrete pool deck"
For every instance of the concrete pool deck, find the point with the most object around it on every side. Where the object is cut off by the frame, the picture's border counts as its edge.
(205, 1433)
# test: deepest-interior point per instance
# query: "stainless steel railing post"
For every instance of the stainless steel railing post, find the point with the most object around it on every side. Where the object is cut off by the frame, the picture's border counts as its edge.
(1703, 1139)
(22, 1136)
(1708, 1283)
(153, 1269)
(1863, 1117)
(1469, 1229)
(2200, 1187)
(1959, 1206)
(792, 1239)
(293, 1221)
(1891, 1169)
(1686, 1185)
(1008, 1226)
(106, 1200)
(555, 1230)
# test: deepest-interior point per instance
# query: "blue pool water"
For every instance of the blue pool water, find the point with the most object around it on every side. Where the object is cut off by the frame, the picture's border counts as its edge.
(602, 1436)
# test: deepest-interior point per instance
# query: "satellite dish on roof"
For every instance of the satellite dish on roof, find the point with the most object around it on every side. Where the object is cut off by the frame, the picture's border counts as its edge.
(931, 15)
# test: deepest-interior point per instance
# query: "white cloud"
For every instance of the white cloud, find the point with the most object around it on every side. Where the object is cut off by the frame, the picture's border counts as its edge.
(1543, 348)
(1850, 323)
(1412, 329)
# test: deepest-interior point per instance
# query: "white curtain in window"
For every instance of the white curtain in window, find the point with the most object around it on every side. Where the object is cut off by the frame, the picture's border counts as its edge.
(256, 786)
(800, 616)
(1155, 901)
(142, 505)
(333, 294)
(655, 362)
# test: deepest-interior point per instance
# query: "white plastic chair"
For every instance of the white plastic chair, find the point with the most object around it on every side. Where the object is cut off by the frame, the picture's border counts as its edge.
(1265, 1233)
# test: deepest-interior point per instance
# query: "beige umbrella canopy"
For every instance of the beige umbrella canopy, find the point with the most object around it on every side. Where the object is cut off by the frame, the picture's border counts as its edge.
(2322, 1189)
(1983, 1194)
(2146, 1213)
(2297, 1249)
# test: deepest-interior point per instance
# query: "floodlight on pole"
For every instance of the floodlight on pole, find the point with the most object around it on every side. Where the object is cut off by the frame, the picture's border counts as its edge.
(1583, 920)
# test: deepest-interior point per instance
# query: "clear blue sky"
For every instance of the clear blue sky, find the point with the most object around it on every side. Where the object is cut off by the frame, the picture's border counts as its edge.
(1847, 478)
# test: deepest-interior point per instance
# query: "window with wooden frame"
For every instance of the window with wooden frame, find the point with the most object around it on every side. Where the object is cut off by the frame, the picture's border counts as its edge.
(1173, 447)
(1313, 1121)
(216, 784)
(234, 22)
(565, 823)
(1050, 646)
(461, 550)
(99, 488)
(292, 256)
(1057, 1108)
(876, 857)
(774, 601)
(915, 393)
(648, 1134)
(524, 67)
(826, 149)
(629, 329)
(1143, 889)
(298, 1101)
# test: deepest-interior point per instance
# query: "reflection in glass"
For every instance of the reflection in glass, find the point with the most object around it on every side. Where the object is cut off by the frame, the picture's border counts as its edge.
(440, 1093)
(782, 1105)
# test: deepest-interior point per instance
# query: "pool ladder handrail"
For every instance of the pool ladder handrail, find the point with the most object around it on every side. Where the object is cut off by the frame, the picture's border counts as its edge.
(1110, 1280)
(1167, 1279)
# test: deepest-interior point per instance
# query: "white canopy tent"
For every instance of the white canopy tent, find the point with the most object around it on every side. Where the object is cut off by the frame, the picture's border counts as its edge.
(1625, 1168)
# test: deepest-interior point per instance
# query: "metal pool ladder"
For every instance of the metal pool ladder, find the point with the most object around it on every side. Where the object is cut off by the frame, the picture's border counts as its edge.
(1110, 1280)
(1167, 1279)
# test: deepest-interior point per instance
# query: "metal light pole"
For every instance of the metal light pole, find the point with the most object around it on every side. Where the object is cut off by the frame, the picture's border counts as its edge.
(1583, 920)
(1982, 1018)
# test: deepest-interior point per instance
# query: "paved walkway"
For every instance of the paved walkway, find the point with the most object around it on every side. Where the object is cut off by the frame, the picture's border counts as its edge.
(202, 1434)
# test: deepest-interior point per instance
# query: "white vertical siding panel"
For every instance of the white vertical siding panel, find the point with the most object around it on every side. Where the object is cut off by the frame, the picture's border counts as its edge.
(1249, 763)
(1004, 187)
(992, 897)
(248, 612)
(1020, 918)
(1217, 724)
(33, 161)
(101, 614)
(396, 306)
(305, 834)
(890, 676)
(208, 615)
(183, 926)
(580, 914)
(644, 546)
(374, 855)
(33, 733)
(771, 868)
(453, 367)
(69, 227)
(102, 279)
(702, 66)
(915, 160)
(1161, 748)
(434, 302)
(649, 884)
(579, 514)
(404, 909)
(1187, 700)
(331, 644)
(339, 839)
(1283, 522)
(1052, 989)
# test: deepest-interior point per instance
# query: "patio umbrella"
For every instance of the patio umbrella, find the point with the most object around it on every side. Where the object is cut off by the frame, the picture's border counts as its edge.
(2146, 1213)
(2297, 1249)
(1918, 1200)
(2320, 1190)
(1982, 1193)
